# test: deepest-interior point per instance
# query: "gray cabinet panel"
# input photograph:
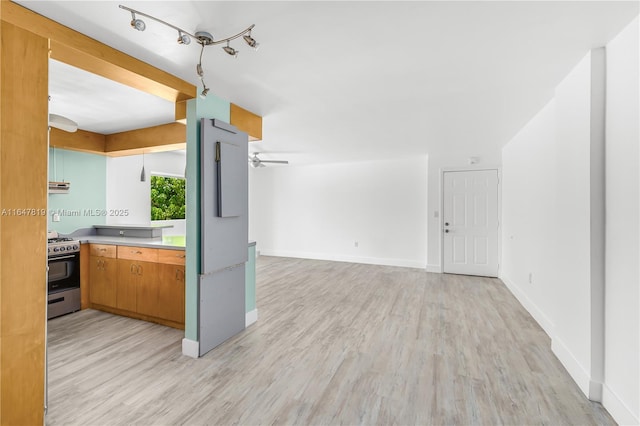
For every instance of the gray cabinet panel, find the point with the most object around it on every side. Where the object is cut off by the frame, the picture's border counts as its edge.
(231, 193)
(221, 306)
(223, 239)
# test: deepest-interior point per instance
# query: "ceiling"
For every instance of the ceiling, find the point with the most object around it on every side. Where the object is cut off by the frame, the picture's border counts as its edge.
(344, 81)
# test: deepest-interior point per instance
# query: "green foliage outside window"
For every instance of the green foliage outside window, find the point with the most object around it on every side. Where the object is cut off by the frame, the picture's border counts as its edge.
(167, 198)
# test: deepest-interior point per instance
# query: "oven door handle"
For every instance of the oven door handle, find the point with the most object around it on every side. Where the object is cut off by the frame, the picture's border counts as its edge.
(62, 257)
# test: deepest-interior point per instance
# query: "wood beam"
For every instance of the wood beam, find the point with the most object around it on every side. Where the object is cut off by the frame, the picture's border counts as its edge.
(78, 50)
(165, 137)
(247, 122)
(80, 140)
(181, 112)
(23, 223)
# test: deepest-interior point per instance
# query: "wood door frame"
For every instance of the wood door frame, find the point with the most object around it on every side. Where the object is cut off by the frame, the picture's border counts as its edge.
(444, 170)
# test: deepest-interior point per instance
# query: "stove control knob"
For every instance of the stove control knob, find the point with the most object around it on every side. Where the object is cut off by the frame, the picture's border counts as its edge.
(62, 248)
(56, 249)
(75, 247)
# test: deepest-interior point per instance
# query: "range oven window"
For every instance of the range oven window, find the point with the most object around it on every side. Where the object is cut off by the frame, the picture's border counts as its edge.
(64, 272)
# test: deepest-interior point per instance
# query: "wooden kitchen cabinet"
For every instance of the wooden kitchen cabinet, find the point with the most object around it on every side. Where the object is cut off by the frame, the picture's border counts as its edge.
(171, 277)
(102, 275)
(171, 293)
(137, 286)
(147, 290)
(137, 276)
(138, 253)
(127, 278)
(147, 283)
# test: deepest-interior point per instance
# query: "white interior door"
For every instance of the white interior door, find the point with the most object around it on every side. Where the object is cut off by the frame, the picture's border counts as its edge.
(470, 222)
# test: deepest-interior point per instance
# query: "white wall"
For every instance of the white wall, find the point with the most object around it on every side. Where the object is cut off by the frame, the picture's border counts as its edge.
(572, 334)
(529, 229)
(547, 216)
(552, 171)
(622, 333)
(320, 211)
(126, 191)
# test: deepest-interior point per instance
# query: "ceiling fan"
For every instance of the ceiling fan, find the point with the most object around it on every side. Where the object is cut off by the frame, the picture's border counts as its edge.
(256, 162)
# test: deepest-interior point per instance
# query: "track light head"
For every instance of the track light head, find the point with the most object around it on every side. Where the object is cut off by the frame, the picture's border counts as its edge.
(251, 41)
(137, 24)
(183, 38)
(230, 50)
(204, 92)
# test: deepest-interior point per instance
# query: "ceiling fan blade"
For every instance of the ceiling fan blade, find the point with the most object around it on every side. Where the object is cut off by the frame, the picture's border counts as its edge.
(275, 161)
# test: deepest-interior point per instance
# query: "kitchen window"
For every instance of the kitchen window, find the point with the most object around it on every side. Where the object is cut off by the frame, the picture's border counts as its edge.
(167, 197)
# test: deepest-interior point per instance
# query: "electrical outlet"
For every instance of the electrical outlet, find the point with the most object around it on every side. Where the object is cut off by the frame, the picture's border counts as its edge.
(355, 244)
(56, 217)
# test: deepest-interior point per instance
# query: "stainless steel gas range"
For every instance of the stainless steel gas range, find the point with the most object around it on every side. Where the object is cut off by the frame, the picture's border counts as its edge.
(63, 281)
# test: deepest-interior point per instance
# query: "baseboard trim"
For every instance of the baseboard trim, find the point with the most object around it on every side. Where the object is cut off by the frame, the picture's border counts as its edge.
(250, 317)
(190, 348)
(595, 391)
(436, 269)
(592, 390)
(537, 313)
(620, 412)
(341, 258)
(571, 364)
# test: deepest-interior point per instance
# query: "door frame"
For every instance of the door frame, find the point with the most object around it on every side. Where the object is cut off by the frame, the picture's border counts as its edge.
(444, 170)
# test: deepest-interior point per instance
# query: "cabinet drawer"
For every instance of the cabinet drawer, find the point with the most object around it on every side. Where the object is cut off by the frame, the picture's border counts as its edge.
(102, 250)
(138, 253)
(172, 257)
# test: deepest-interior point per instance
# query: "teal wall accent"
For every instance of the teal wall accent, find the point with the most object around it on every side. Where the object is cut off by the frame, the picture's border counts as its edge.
(250, 280)
(210, 107)
(87, 198)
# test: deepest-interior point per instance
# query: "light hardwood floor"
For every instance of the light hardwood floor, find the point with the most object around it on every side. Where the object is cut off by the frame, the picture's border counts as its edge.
(335, 343)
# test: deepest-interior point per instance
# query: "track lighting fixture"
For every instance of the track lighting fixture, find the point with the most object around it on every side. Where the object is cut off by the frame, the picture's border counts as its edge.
(138, 24)
(250, 41)
(231, 51)
(183, 38)
(200, 73)
(203, 38)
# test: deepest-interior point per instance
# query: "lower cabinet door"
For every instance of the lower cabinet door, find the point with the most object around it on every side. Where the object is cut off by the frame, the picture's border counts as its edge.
(102, 281)
(126, 288)
(171, 292)
(147, 290)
